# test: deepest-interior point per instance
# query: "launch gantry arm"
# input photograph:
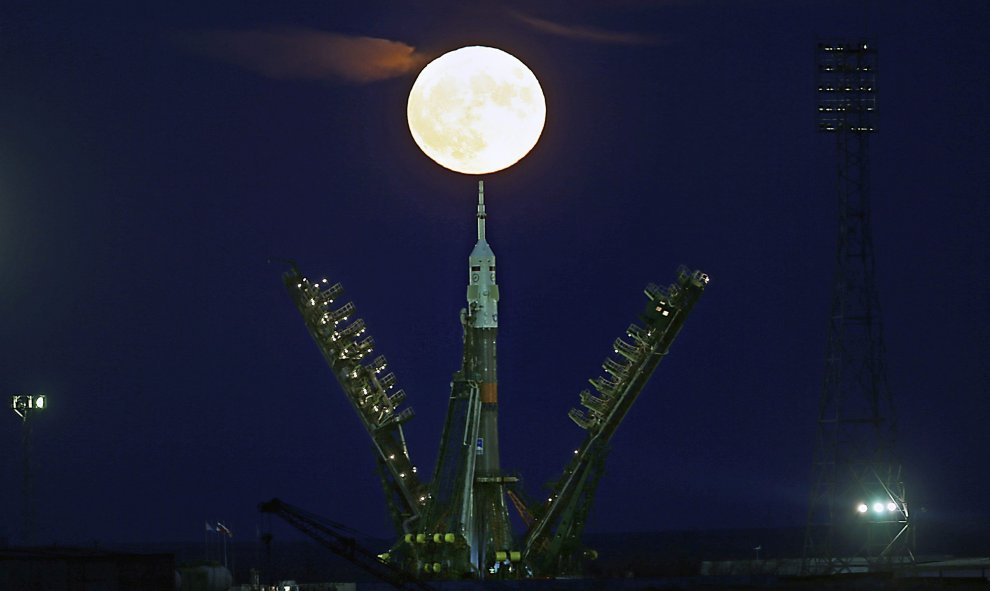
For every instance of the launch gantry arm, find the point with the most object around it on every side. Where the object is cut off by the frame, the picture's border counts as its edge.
(370, 390)
(555, 534)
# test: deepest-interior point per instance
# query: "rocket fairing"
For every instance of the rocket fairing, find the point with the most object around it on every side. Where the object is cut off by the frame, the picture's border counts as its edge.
(482, 292)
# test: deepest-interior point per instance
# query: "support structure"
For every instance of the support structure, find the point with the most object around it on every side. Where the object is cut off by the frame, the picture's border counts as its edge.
(370, 390)
(858, 516)
(25, 406)
(552, 546)
(457, 526)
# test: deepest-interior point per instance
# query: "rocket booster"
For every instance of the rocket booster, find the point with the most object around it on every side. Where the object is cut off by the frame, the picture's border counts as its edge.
(481, 331)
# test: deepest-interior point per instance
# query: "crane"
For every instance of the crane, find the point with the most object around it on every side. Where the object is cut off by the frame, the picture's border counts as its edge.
(334, 537)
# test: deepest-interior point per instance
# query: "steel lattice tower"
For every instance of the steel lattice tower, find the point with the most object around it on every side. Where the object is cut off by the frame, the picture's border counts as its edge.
(858, 515)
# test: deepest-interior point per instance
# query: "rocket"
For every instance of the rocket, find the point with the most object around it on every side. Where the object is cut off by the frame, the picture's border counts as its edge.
(467, 498)
(480, 322)
(458, 525)
(481, 332)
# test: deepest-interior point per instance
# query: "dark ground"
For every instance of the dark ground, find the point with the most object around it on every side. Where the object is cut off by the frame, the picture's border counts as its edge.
(640, 555)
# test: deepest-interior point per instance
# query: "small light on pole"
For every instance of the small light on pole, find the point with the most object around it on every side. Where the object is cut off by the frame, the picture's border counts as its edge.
(23, 404)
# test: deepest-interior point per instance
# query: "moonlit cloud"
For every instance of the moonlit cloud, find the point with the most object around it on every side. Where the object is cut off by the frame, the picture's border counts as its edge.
(287, 53)
(585, 33)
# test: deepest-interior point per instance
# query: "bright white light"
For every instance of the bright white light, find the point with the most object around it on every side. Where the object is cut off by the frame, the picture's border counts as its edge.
(891, 507)
(476, 110)
(39, 402)
(862, 508)
(878, 507)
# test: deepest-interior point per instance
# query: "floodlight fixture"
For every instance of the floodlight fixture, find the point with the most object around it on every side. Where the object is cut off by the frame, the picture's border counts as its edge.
(891, 506)
(862, 508)
(878, 507)
(847, 87)
(24, 403)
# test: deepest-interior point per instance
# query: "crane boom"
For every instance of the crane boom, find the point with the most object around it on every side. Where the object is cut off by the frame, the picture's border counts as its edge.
(333, 536)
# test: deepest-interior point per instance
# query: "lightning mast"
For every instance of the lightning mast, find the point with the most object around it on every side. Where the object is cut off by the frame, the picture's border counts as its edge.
(857, 509)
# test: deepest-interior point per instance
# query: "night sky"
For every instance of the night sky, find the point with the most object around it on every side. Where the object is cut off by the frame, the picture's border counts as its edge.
(159, 160)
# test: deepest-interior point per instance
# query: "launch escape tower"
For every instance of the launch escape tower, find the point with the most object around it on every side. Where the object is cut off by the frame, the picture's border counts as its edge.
(457, 525)
(857, 508)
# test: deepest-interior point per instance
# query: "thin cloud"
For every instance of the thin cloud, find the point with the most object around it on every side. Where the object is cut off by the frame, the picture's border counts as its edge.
(299, 53)
(584, 33)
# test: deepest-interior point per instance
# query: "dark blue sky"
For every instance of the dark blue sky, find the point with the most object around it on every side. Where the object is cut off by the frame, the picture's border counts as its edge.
(144, 185)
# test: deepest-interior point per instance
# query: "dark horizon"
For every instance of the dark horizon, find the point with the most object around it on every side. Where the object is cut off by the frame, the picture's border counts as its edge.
(645, 554)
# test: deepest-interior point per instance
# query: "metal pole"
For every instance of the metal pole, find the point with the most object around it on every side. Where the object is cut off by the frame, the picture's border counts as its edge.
(27, 488)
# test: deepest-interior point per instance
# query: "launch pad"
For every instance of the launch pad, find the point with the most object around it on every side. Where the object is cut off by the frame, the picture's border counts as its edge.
(456, 525)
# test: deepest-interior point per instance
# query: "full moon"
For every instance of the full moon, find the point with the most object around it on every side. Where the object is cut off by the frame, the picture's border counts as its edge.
(476, 110)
